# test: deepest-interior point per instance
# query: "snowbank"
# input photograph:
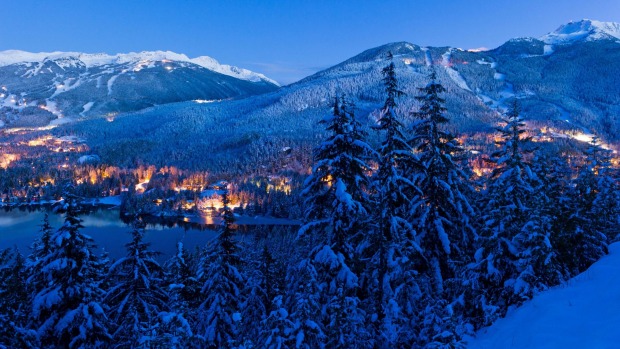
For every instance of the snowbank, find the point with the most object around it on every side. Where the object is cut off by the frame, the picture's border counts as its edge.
(584, 313)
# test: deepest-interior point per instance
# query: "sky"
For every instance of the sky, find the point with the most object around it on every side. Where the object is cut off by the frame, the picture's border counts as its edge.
(283, 39)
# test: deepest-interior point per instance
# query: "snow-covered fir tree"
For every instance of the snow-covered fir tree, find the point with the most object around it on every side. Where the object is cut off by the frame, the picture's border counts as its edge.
(587, 239)
(42, 245)
(391, 241)
(183, 288)
(219, 318)
(548, 214)
(278, 331)
(14, 301)
(443, 214)
(67, 310)
(137, 295)
(509, 236)
(336, 203)
(265, 283)
(306, 309)
(256, 304)
(605, 210)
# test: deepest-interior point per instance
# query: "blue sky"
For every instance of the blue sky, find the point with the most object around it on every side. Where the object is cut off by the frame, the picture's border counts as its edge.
(286, 39)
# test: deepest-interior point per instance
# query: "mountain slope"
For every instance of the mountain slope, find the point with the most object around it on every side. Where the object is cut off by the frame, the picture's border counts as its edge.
(584, 30)
(40, 87)
(570, 91)
(584, 313)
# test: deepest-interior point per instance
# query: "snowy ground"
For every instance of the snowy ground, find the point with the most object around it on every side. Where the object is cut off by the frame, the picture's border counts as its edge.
(584, 313)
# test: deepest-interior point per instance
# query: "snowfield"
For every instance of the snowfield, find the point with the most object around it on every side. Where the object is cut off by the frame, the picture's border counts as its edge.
(584, 313)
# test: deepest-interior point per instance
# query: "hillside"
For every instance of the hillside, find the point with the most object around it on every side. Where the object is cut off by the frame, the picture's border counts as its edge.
(584, 313)
(39, 88)
(567, 87)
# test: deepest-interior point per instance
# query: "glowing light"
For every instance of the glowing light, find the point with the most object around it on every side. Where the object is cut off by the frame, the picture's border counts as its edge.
(39, 141)
(168, 68)
(582, 137)
(6, 159)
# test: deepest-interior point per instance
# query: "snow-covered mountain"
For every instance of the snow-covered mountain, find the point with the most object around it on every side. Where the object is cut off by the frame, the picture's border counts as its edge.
(91, 60)
(583, 313)
(40, 87)
(584, 30)
(571, 90)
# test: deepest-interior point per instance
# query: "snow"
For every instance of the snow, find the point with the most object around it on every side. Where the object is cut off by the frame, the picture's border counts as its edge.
(454, 75)
(66, 86)
(111, 82)
(443, 236)
(108, 200)
(427, 57)
(88, 159)
(584, 313)
(51, 107)
(239, 73)
(140, 59)
(582, 30)
(87, 108)
(326, 256)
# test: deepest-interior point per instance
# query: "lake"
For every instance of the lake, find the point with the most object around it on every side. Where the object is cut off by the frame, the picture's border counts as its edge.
(19, 227)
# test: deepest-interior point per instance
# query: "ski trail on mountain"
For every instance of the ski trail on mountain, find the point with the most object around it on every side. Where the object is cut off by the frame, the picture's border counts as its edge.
(427, 56)
(453, 74)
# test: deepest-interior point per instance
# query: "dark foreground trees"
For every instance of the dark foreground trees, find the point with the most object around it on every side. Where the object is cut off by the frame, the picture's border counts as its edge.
(399, 248)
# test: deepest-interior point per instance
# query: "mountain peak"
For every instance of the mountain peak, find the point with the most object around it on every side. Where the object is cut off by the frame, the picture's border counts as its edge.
(584, 30)
(10, 57)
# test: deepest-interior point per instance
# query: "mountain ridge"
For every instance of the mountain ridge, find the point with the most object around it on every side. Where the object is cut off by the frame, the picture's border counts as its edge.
(10, 57)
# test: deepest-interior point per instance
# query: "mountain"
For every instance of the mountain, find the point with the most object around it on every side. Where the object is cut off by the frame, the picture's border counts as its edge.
(583, 313)
(567, 90)
(38, 88)
(584, 30)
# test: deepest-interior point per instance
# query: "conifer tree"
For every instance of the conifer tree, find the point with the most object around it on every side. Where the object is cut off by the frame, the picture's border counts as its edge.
(67, 311)
(587, 240)
(504, 272)
(443, 214)
(137, 296)
(277, 329)
(547, 219)
(183, 288)
(393, 237)
(42, 245)
(14, 301)
(336, 199)
(606, 206)
(255, 307)
(220, 313)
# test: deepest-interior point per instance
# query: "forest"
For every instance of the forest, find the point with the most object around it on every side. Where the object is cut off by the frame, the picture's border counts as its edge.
(411, 242)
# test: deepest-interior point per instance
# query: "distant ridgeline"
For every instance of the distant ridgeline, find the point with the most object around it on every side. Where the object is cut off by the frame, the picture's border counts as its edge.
(37, 88)
(567, 83)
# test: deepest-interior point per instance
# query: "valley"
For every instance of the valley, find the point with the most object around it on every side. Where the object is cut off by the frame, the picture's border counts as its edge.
(409, 196)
